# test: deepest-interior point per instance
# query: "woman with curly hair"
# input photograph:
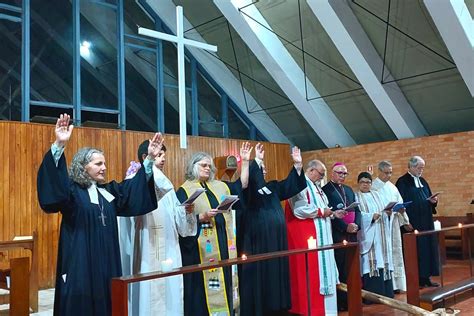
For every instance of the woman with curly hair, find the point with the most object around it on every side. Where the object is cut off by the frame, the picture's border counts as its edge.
(88, 251)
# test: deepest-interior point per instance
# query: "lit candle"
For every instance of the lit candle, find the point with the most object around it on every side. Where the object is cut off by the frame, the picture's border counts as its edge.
(166, 265)
(244, 257)
(459, 225)
(311, 243)
(416, 231)
(344, 242)
(437, 225)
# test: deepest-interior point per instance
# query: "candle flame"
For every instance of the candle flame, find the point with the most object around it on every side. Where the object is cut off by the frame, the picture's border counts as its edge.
(416, 231)
(244, 257)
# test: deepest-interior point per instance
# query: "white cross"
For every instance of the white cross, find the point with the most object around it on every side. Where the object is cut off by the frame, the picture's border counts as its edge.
(180, 41)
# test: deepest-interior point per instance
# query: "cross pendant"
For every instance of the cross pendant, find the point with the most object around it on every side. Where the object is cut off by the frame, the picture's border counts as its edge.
(102, 217)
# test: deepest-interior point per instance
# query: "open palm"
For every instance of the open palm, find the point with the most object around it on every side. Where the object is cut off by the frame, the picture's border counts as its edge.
(63, 130)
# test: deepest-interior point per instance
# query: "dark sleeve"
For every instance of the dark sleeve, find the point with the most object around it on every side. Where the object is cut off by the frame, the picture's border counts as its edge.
(135, 196)
(53, 185)
(292, 185)
(433, 206)
(337, 223)
(256, 179)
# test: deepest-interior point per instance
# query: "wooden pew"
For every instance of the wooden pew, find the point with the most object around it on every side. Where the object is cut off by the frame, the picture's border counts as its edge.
(18, 274)
(455, 242)
(429, 299)
(30, 244)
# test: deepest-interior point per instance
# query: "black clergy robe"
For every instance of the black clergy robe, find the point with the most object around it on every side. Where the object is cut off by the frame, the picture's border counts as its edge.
(194, 291)
(265, 285)
(420, 213)
(88, 251)
(344, 195)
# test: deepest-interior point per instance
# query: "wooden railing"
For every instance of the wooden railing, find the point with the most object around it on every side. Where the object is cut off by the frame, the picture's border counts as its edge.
(120, 285)
(410, 252)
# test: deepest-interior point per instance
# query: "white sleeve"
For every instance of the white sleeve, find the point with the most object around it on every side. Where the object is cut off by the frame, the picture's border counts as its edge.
(162, 184)
(186, 224)
(301, 208)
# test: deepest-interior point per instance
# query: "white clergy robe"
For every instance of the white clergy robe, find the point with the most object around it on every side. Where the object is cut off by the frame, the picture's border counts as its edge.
(374, 236)
(309, 205)
(388, 192)
(146, 241)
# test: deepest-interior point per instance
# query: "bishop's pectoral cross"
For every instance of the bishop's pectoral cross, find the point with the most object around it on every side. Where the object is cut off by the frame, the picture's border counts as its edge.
(180, 42)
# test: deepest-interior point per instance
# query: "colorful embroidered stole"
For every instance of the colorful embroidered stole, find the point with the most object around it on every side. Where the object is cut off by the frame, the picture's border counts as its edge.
(214, 283)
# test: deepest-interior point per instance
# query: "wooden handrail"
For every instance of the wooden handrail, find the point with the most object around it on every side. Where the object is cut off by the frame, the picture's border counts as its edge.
(411, 270)
(120, 284)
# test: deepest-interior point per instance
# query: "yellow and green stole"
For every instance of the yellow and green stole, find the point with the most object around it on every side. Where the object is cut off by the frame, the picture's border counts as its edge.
(208, 243)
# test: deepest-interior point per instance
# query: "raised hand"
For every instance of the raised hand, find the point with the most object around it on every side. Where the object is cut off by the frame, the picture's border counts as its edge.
(156, 143)
(296, 155)
(245, 151)
(63, 130)
(259, 152)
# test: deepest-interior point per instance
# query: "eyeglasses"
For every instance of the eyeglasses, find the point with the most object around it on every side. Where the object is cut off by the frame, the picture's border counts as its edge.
(204, 165)
(387, 172)
(341, 173)
(322, 174)
(365, 182)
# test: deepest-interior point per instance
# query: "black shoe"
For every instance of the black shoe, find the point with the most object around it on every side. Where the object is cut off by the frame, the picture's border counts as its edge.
(396, 291)
(431, 284)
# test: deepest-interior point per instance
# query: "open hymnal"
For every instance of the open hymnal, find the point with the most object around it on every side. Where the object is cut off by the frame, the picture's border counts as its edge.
(226, 203)
(395, 206)
(434, 195)
(193, 196)
(351, 206)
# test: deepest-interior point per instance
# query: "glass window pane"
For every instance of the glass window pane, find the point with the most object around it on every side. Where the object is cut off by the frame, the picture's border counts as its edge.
(140, 90)
(51, 51)
(172, 111)
(237, 128)
(209, 101)
(10, 71)
(170, 67)
(99, 56)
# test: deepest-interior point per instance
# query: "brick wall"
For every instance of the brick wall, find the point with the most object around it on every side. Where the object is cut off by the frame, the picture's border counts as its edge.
(448, 165)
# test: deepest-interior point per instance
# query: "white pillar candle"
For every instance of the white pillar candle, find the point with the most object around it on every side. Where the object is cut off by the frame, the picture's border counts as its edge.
(167, 265)
(311, 243)
(437, 225)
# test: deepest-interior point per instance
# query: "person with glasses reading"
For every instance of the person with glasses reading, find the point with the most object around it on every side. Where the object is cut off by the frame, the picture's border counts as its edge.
(339, 197)
(389, 193)
(309, 216)
(413, 187)
(375, 239)
(213, 291)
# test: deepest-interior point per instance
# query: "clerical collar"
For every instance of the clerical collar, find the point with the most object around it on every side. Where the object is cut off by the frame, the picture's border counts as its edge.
(417, 180)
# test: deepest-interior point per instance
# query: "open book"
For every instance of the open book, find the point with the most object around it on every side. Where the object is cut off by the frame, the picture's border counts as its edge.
(226, 203)
(433, 195)
(395, 206)
(351, 206)
(193, 196)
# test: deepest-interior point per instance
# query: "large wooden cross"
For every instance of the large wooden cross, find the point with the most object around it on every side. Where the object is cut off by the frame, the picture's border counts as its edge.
(180, 41)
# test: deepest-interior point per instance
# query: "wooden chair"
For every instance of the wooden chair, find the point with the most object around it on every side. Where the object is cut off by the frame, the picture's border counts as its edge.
(32, 273)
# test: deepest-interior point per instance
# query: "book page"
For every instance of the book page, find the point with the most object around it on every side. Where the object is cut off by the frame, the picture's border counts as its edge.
(193, 196)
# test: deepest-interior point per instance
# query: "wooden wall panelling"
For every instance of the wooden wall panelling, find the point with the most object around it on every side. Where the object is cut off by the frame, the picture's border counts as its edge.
(23, 146)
